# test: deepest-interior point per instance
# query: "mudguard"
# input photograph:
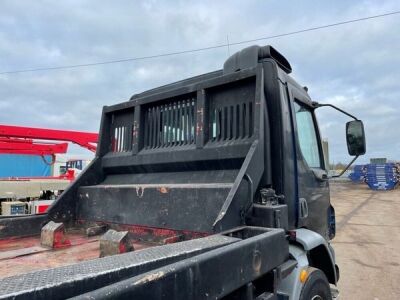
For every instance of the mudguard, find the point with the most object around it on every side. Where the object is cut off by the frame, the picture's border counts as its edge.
(309, 249)
(320, 253)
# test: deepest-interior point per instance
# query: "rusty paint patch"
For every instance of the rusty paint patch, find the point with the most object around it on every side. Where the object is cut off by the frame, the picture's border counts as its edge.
(150, 277)
(163, 190)
(173, 239)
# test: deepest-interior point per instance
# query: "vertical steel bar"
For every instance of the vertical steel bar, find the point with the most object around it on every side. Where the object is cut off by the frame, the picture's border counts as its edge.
(146, 128)
(153, 112)
(218, 123)
(241, 121)
(229, 123)
(194, 120)
(161, 125)
(115, 137)
(174, 117)
(246, 120)
(119, 139)
(170, 124)
(251, 121)
(158, 125)
(138, 129)
(125, 139)
(235, 122)
(190, 121)
(185, 118)
(179, 127)
(223, 123)
(150, 128)
(201, 119)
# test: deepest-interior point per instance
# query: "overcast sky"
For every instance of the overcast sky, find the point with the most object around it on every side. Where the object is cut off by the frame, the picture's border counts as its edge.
(355, 66)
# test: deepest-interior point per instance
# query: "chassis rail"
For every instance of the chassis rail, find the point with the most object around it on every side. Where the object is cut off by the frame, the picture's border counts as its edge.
(207, 267)
(211, 275)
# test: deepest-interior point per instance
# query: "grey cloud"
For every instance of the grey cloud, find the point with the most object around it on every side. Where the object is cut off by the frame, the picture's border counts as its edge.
(354, 66)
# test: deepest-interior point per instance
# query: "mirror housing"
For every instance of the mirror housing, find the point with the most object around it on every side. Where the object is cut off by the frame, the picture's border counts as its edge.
(355, 137)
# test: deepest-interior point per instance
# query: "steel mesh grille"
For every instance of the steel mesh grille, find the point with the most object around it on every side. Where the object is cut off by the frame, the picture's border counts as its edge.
(122, 132)
(170, 124)
(231, 122)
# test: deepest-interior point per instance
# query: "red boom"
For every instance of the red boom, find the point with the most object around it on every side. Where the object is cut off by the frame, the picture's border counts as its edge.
(24, 135)
(22, 146)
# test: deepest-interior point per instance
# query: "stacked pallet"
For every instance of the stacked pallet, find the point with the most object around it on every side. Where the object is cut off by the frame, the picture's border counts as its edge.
(382, 176)
(358, 174)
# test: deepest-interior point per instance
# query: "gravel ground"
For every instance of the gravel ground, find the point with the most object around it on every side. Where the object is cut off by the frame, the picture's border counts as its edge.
(367, 241)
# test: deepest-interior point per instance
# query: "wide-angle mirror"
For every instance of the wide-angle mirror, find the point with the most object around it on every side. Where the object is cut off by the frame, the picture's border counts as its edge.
(355, 137)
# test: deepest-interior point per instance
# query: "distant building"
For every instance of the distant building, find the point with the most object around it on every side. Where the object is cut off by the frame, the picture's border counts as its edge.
(17, 165)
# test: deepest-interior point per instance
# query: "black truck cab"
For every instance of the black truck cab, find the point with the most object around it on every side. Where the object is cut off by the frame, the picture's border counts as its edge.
(229, 167)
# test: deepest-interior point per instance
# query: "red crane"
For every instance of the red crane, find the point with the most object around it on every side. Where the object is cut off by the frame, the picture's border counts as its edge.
(27, 146)
(17, 139)
(34, 141)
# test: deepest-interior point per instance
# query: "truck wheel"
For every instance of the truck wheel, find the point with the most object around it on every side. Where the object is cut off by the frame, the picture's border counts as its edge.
(316, 286)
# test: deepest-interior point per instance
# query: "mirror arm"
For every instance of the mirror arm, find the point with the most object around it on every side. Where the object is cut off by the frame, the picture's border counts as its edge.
(316, 105)
(346, 168)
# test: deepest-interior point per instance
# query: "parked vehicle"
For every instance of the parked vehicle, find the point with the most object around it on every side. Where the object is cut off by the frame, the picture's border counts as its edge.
(221, 183)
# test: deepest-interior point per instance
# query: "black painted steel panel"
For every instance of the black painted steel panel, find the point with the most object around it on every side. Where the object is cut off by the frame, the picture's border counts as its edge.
(21, 225)
(211, 275)
(192, 207)
(67, 281)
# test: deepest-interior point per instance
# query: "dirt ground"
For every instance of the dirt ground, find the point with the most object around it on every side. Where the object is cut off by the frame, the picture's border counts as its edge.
(367, 241)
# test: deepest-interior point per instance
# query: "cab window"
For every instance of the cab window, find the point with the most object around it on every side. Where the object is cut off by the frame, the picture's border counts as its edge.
(307, 135)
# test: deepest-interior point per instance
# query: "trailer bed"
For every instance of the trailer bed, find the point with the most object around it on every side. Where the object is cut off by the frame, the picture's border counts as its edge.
(22, 255)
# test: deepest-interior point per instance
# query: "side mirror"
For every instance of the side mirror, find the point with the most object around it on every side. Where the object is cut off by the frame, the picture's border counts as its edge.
(355, 137)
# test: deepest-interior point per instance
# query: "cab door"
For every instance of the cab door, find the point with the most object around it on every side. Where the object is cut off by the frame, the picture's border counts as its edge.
(314, 207)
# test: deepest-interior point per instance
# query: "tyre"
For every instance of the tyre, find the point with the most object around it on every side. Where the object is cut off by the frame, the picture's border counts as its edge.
(316, 286)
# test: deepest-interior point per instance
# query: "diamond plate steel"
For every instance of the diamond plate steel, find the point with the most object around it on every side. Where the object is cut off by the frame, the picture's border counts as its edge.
(67, 281)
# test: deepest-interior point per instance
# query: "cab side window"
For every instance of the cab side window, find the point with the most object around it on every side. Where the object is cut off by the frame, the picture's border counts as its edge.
(307, 135)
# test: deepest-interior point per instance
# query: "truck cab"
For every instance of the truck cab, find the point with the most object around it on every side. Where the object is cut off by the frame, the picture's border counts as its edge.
(228, 168)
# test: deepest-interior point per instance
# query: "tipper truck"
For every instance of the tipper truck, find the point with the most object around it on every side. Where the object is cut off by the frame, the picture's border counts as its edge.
(213, 187)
